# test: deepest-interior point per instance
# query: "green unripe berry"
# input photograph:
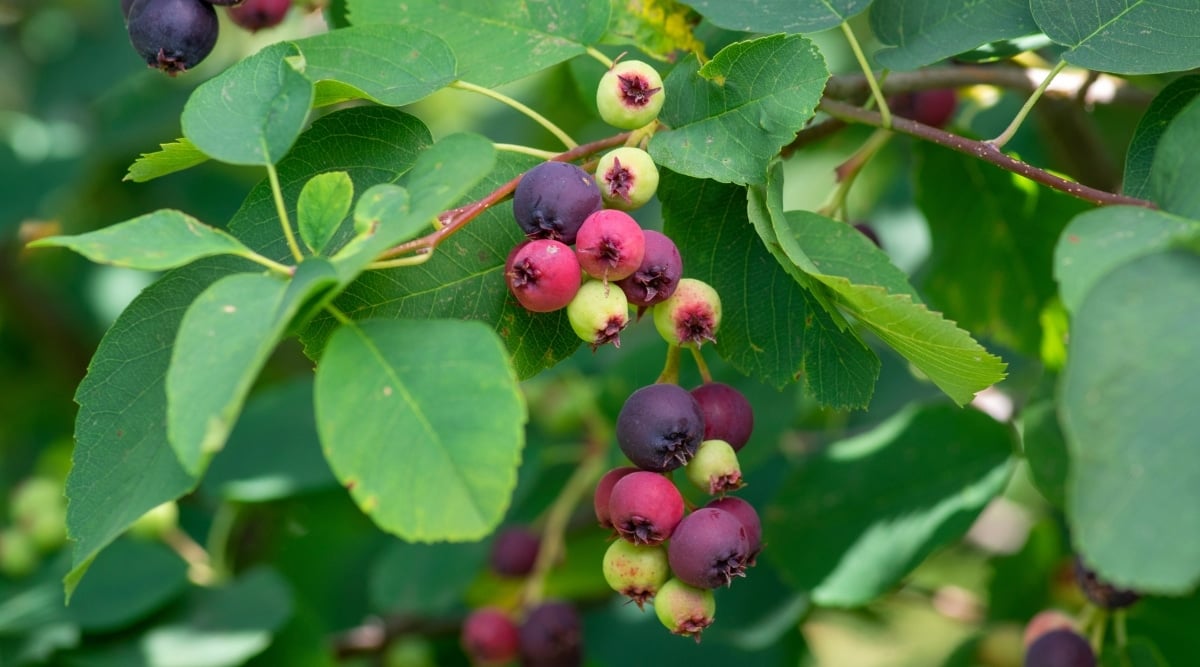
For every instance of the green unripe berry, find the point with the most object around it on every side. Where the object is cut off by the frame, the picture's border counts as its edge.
(630, 95)
(715, 469)
(18, 554)
(690, 316)
(39, 510)
(598, 313)
(156, 523)
(683, 609)
(627, 178)
(636, 571)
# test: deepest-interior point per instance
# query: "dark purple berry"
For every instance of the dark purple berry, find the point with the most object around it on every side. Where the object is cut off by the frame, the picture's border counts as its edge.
(224, 3)
(172, 35)
(1100, 592)
(604, 492)
(869, 232)
(709, 548)
(685, 610)
(658, 275)
(930, 107)
(1045, 621)
(542, 274)
(610, 245)
(553, 199)
(514, 552)
(125, 6)
(659, 427)
(645, 508)
(727, 414)
(551, 636)
(745, 513)
(1060, 648)
(489, 637)
(255, 15)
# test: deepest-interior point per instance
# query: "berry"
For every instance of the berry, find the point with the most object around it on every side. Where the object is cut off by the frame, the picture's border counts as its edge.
(1101, 592)
(627, 177)
(39, 510)
(659, 427)
(254, 15)
(489, 637)
(1046, 621)
(745, 513)
(645, 508)
(225, 3)
(715, 470)
(125, 6)
(869, 232)
(542, 274)
(709, 548)
(630, 94)
(610, 245)
(727, 414)
(551, 637)
(598, 313)
(18, 554)
(604, 492)
(156, 523)
(690, 316)
(514, 552)
(172, 35)
(553, 199)
(659, 273)
(930, 107)
(1060, 648)
(685, 610)
(637, 572)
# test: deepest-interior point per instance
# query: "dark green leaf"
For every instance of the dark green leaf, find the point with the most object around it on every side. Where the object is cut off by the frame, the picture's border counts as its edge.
(921, 32)
(1142, 148)
(323, 204)
(1046, 450)
(410, 579)
(127, 581)
(1173, 172)
(175, 156)
(779, 15)
(1123, 36)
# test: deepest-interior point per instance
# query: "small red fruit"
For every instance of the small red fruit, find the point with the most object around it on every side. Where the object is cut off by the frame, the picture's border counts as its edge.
(610, 245)
(543, 275)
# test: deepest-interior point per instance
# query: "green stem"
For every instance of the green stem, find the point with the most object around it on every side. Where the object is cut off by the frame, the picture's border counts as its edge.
(1101, 624)
(1119, 628)
(271, 264)
(535, 116)
(670, 371)
(412, 260)
(218, 540)
(200, 568)
(1012, 128)
(848, 172)
(338, 315)
(876, 91)
(526, 150)
(281, 209)
(604, 60)
(701, 365)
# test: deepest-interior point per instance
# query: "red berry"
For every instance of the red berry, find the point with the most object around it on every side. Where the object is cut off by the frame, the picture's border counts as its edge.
(610, 245)
(604, 492)
(254, 15)
(645, 508)
(543, 275)
(727, 414)
(489, 637)
(930, 107)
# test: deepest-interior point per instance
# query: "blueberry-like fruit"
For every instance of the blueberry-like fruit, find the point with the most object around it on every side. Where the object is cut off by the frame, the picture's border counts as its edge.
(598, 313)
(691, 316)
(514, 551)
(489, 637)
(172, 35)
(551, 636)
(553, 199)
(709, 548)
(637, 572)
(659, 427)
(1045, 621)
(627, 177)
(604, 492)
(745, 513)
(645, 508)
(1100, 592)
(655, 279)
(610, 245)
(715, 470)
(255, 15)
(685, 610)
(125, 6)
(630, 94)
(930, 107)
(727, 414)
(1060, 648)
(543, 275)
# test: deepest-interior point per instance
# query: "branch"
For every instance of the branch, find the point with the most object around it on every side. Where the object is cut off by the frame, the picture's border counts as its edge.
(979, 149)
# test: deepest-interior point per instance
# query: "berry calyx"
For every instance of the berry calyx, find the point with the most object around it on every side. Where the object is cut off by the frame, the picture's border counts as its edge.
(630, 94)
(655, 279)
(690, 316)
(627, 177)
(515, 551)
(1100, 592)
(553, 199)
(598, 313)
(489, 637)
(709, 548)
(659, 427)
(637, 572)
(685, 610)
(551, 636)
(714, 469)
(610, 245)
(255, 15)
(727, 414)
(745, 513)
(645, 508)
(543, 275)
(172, 35)
(603, 493)
(1060, 648)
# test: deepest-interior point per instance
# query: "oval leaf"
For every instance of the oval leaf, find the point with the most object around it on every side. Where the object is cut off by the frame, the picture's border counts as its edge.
(1123, 36)
(921, 32)
(1173, 172)
(324, 202)
(778, 15)
(1142, 148)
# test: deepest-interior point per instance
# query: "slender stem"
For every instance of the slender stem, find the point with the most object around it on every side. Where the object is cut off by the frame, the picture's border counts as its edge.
(848, 171)
(200, 569)
(533, 115)
(701, 364)
(281, 209)
(218, 539)
(271, 264)
(604, 60)
(1120, 629)
(411, 260)
(526, 150)
(1012, 128)
(1098, 629)
(338, 315)
(670, 371)
(876, 92)
(981, 150)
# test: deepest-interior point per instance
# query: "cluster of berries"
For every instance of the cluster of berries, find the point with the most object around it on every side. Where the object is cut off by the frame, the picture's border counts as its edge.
(175, 35)
(38, 512)
(1053, 639)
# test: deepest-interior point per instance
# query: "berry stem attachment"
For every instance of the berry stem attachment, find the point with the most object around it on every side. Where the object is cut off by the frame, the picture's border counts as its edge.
(526, 150)
(1012, 128)
(876, 91)
(281, 210)
(200, 569)
(705, 375)
(603, 59)
(530, 113)
(670, 371)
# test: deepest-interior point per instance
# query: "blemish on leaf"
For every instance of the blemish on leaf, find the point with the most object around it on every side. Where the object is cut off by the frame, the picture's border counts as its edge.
(370, 503)
(229, 309)
(387, 391)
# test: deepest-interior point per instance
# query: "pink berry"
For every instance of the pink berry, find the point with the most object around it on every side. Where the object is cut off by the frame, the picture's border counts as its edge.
(542, 274)
(610, 245)
(490, 637)
(645, 508)
(604, 492)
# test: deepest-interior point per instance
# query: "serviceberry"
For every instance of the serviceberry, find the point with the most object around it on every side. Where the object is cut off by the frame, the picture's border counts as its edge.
(553, 199)
(690, 316)
(551, 636)
(727, 414)
(125, 6)
(637, 572)
(630, 94)
(745, 513)
(514, 551)
(172, 35)
(1044, 621)
(645, 508)
(543, 275)
(39, 510)
(1100, 592)
(655, 279)
(610, 245)
(627, 177)
(715, 470)
(18, 553)
(598, 313)
(1060, 648)
(930, 107)
(255, 15)
(709, 548)
(685, 610)
(604, 492)
(489, 637)
(155, 524)
(659, 427)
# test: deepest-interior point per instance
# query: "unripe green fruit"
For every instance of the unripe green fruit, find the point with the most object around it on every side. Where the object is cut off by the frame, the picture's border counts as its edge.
(156, 523)
(630, 95)
(635, 571)
(18, 554)
(715, 469)
(39, 510)
(691, 315)
(627, 178)
(685, 610)
(598, 313)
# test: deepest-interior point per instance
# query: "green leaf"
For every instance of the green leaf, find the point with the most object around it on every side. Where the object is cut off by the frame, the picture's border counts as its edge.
(1046, 450)
(423, 421)
(1172, 174)
(252, 112)
(223, 342)
(779, 15)
(731, 116)
(175, 156)
(164, 239)
(122, 466)
(501, 40)
(1123, 36)
(872, 507)
(771, 328)
(1096, 242)
(409, 579)
(993, 238)
(659, 28)
(1171, 622)
(128, 581)
(921, 32)
(1127, 407)
(388, 64)
(323, 204)
(1142, 148)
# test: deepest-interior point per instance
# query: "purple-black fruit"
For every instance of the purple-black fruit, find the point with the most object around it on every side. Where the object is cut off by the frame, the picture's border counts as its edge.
(542, 274)
(514, 551)
(125, 5)
(1101, 592)
(709, 548)
(655, 279)
(610, 245)
(172, 35)
(745, 513)
(553, 199)
(727, 414)
(551, 637)
(1060, 648)
(645, 508)
(659, 427)
(489, 637)
(604, 492)
(1045, 621)
(255, 15)
(685, 610)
